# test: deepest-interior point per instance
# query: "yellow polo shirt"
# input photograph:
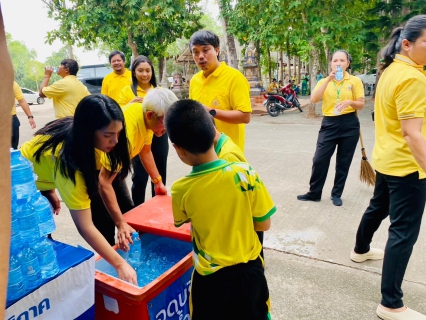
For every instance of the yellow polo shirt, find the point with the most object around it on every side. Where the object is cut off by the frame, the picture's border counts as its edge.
(17, 92)
(222, 200)
(113, 84)
(225, 89)
(227, 150)
(400, 95)
(73, 195)
(66, 94)
(127, 95)
(345, 88)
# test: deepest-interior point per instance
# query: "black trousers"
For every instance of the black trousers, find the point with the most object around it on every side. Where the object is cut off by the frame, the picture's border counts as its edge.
(343, 132)
(15, 131)
(160, 151)
(100, 215)
(403, 200)
(236, 292)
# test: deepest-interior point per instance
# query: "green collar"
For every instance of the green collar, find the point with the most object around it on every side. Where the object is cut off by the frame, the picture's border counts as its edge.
(208, 167)
(222, 140)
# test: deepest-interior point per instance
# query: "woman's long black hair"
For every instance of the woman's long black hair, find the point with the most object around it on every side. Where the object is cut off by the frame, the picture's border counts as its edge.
(75, 136)
(412, 31)
(135, 64)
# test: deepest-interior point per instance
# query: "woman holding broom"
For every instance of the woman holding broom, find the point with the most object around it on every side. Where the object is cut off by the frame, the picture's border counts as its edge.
(399, 157)
(342, 95)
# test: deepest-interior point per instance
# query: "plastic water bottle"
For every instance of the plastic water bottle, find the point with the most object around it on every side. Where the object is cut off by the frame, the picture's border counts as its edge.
(15, 236)
(339, 73)
(23, 185)
(30, 268)
(15, 283)
(28, 222)
(135, 251)
(44, 211)
(46, 258)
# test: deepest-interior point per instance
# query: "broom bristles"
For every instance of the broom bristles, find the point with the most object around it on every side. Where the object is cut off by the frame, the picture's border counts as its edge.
(367, 173)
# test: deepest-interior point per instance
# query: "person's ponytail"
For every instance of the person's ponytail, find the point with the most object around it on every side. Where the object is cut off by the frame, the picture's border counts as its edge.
(393, 47)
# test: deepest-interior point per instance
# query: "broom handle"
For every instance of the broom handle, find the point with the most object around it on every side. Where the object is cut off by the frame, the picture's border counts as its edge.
(356, 112)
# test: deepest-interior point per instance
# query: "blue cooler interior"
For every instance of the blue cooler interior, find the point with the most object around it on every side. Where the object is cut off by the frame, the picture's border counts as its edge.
(158, 255)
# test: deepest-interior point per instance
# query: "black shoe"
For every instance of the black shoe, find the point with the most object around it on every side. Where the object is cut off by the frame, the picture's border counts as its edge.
(308, 197)
(336, 201)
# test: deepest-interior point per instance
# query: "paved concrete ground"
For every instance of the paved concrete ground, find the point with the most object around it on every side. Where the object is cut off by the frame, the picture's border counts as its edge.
(308, 268)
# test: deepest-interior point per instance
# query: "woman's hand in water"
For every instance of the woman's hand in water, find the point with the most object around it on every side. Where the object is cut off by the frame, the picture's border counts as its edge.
(124, 236)
(127, 273)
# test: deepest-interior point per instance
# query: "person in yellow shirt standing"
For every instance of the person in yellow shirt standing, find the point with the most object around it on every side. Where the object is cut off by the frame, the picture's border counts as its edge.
(343, 94)
(224, 91)
(19, 96)
(67, 92)
(121, 77)
(399, 157)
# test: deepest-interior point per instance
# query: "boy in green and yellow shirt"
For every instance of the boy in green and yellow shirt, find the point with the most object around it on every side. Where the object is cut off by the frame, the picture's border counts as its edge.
(225, 203)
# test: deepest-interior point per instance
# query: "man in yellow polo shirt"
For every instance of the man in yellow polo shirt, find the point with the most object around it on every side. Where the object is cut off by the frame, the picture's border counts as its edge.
(19, 96)
(224, 91)
(119, 78)
(67, 92)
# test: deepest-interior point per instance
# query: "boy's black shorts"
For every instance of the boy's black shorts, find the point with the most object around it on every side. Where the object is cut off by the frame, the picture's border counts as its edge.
(236, 292)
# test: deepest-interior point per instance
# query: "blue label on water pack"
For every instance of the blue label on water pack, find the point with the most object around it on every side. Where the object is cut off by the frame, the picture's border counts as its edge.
(173, 302)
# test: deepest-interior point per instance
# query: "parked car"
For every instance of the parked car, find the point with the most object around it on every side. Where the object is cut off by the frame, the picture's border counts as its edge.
(93, 75)
(32, 97)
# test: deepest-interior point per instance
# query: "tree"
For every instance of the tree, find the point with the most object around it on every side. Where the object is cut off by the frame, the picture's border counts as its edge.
(27, 69)
(144, 27)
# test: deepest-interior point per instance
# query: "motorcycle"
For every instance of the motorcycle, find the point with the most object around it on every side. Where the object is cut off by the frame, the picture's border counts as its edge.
(276, 103)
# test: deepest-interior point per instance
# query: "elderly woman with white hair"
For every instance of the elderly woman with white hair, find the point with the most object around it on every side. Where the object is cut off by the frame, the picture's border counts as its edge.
(142, 121)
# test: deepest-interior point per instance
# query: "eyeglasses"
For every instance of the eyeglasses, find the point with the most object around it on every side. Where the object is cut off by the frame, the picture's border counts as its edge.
(161, 121)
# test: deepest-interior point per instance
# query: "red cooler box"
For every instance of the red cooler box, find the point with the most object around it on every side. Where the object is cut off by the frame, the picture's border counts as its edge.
(167, 297)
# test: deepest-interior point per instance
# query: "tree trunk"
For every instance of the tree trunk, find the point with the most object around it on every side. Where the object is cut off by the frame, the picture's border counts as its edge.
(288, 57)
(258, 59)
(230, 41)
(315, 57)
(132, 45)
(269, 65)
(70, 52)
(161, 66)
(281, 67)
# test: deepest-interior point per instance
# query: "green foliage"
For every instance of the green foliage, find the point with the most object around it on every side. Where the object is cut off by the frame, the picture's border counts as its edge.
(147, 26)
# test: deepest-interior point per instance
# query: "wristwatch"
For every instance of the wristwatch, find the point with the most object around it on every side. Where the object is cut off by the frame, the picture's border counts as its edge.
(213, 112)
(30, 117)
(157, 180)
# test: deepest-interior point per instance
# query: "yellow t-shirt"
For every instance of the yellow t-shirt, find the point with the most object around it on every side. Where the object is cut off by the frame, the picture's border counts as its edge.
(66, 94)
(127, 95)
(113, 84)
(227, 150)
(222, 199)
(273, 87)
(400, 95)
(225, 89)
(18, 95)
(345, 89)
(75, 195)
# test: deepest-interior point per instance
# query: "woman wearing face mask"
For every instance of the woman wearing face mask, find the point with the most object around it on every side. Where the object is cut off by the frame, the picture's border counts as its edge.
(399, 157)
(66, 156)
(342, 95)
(143, 80)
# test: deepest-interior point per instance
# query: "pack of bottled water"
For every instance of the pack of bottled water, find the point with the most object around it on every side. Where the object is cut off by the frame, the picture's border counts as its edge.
(32, 256)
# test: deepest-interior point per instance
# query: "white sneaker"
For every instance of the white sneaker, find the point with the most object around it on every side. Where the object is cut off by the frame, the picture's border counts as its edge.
(373, 254)
(408, 314)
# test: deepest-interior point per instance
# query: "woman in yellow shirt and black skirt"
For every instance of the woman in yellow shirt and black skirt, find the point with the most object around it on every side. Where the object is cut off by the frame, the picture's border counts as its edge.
(342, 95)
(399, 157)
